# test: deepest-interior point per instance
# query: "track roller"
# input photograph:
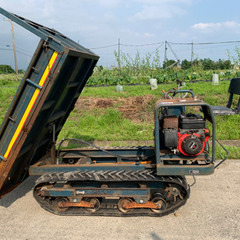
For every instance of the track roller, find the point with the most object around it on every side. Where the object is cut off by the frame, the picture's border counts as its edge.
(96, 204)
(57, 204)
(121, 203)
(103, 193)
(160, 202)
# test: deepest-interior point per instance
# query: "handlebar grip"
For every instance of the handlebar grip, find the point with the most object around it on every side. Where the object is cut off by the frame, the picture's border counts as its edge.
(178, 91)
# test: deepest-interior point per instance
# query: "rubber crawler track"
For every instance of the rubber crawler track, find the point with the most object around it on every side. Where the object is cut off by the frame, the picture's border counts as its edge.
(110, 176)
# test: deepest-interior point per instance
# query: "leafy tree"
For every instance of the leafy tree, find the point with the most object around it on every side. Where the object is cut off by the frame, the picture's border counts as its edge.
(185, 64)
(208, 64)
(6, 69)
(227, 64)
(168, 63)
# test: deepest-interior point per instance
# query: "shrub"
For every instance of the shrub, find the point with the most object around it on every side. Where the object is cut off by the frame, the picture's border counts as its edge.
(6, 69)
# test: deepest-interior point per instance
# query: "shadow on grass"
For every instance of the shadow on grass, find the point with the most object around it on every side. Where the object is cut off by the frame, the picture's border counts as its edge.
(76, 141)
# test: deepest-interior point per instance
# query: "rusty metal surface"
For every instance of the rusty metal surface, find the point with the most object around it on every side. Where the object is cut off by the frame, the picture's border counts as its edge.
(64, 204)
(185, 101)
(131, 205)
(170, 122)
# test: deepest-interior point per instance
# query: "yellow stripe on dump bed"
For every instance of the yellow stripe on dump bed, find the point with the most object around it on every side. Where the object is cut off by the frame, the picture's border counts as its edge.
(31, 103)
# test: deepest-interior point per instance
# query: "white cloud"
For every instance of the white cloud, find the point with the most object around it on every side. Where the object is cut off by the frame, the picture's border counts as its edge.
(163, 1)
(101, 22)
(109, 3)
(160, 9)
(148, 35)
(231, 24)
(208, 27)
(109, 16)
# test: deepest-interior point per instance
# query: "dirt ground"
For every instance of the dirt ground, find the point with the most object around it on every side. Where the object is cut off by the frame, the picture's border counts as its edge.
(133, 108)
(212, 212)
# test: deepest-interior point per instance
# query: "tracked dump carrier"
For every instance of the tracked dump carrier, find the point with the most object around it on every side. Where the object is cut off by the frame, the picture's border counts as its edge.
(94, 181)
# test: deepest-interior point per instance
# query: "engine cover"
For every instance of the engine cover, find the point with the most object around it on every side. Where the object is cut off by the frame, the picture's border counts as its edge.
(192, 144)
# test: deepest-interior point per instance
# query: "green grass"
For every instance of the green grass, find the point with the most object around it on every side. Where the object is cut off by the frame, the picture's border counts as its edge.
(227, 126)
(6, 96)
(10, 80)
(128, 91)
(105, 125)
(234, 152)
(8, 87)
(205, 90)
(108, 124)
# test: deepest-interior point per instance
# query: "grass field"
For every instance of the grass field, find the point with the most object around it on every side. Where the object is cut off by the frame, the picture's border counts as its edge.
(94, 118)
(102, 114)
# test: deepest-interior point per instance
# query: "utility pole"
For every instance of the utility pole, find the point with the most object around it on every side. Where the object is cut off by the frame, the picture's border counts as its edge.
(165, 54)
(119, 87)
(119, 66)
(192, 57)
(14, 49)
(119, 53)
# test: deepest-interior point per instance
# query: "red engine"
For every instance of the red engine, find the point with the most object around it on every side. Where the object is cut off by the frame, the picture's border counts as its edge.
(192, 144)
(187, 134)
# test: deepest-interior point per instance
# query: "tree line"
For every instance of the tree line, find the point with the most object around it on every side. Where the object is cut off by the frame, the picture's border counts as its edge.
(205, 64)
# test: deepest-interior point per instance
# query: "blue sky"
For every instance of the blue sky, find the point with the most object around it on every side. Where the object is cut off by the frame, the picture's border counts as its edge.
(96, 23)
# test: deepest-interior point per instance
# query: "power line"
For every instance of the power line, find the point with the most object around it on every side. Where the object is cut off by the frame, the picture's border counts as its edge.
(108, 46)
(5, 49)
(4, 44)
(204, 43)
(23, 50)
(175, 55)
(161, 43)
(178, 50)
(9, 45)
(142, 45)
(23, 53)
(11, 49)
(157, 48)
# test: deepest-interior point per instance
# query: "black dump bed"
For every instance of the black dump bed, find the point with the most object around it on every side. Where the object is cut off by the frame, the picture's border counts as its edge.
(47, 94)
